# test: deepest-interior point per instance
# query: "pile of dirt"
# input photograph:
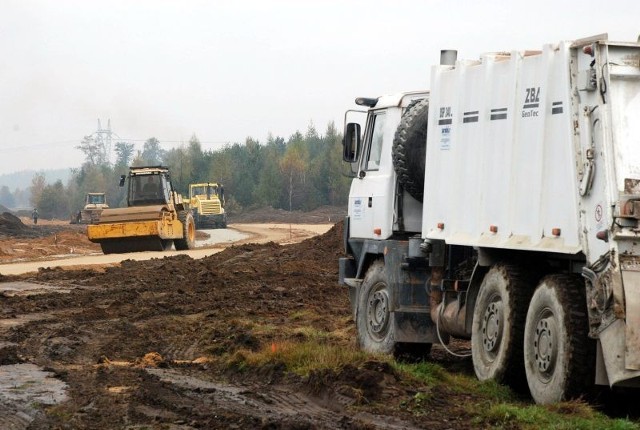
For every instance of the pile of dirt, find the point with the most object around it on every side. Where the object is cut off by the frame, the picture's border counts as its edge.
(321, 215)
(12, 226)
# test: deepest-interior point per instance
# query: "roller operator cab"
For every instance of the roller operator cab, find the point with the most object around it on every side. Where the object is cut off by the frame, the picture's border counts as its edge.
(503, 207)
(155, 219)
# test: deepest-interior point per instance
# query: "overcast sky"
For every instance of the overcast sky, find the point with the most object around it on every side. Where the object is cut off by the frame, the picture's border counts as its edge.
(232, 69)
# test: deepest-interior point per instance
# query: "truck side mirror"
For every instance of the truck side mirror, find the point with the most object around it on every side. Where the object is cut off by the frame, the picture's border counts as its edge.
(351, 142)
(122, 178)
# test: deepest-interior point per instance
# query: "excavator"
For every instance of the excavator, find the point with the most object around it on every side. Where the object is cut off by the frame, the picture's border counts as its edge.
(156, 217)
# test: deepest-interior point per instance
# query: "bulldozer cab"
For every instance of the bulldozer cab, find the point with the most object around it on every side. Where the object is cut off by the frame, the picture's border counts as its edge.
(149, 188)
(95, 199)
(206, 191)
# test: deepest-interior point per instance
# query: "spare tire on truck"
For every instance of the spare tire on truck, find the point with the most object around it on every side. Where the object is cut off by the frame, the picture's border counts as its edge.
(410, 148)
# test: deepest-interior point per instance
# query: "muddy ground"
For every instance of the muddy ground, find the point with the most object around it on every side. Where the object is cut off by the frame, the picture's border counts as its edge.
(159, 344)
(162, 344)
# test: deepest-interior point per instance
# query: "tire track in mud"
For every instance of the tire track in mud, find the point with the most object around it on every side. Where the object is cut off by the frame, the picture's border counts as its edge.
(14, 417)
(276, 403)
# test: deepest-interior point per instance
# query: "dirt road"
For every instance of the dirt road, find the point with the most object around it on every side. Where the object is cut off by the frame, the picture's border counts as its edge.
(217, 241)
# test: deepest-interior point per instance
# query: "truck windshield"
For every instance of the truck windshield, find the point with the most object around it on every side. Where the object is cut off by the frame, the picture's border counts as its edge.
(96, 200)
(147, 189)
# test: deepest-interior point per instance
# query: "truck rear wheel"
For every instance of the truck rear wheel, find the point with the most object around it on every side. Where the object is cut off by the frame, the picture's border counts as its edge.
(373, 319)
(188, 240)
(410, 148)
(498, 325)
(559, 357)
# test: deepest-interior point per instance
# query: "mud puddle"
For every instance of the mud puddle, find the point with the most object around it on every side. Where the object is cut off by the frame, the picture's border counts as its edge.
(21, 288)
(23, 389)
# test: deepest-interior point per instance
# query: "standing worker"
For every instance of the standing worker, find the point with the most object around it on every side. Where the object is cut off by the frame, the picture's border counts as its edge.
(34, 215)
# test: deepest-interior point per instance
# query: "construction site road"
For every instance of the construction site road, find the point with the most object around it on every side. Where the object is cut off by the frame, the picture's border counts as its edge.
(218, 240)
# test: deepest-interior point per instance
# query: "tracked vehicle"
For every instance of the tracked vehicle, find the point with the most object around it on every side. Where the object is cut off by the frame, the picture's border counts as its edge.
(155, 217)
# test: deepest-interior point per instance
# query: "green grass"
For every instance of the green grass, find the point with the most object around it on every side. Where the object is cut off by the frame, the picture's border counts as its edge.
(303, 350)
(496, 406)
(563, 416)
(300, 358)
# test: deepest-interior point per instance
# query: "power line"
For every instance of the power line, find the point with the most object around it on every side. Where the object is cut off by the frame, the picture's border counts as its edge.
(119, 139)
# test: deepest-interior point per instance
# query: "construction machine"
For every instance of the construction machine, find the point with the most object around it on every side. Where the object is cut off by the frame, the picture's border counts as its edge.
(206, 201)
(94, 204)
(155, 218)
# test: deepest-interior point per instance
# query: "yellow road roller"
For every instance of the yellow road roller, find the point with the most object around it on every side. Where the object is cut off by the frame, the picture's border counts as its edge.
(155, 217)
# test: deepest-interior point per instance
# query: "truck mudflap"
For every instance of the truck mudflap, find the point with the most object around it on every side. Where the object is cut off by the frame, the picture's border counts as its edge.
(618, 354)
(415, 326)
(611, 368)
(631, 283)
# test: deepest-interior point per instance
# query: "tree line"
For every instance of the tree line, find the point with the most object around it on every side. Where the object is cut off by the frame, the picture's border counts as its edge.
(302, 172)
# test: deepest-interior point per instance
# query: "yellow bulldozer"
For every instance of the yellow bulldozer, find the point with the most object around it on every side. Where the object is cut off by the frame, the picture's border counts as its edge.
(94, 204)
(156, 217)
(206, 201)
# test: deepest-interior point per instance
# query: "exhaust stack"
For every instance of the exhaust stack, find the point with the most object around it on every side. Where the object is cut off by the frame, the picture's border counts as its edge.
(448, 57)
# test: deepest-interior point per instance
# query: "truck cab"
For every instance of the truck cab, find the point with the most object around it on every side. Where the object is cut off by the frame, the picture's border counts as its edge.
(377, 208)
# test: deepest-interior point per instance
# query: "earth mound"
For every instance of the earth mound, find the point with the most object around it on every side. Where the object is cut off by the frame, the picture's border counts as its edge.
(12, 226)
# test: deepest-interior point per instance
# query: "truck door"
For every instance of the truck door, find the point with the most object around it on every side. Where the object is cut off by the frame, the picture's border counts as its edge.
(370, 198)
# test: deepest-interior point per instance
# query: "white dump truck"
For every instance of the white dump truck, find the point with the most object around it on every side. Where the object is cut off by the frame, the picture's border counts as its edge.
(503, 206)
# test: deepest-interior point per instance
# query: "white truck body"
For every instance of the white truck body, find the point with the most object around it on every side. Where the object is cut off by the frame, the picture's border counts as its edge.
(532, 153)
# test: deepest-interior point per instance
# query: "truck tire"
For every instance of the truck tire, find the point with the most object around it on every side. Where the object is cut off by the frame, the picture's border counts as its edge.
(559, 356)
(188, 240)
(497, 330)
(373, 319)
(410, 147)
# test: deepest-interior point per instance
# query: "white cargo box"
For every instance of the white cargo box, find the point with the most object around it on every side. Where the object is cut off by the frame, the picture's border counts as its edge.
(510, 141)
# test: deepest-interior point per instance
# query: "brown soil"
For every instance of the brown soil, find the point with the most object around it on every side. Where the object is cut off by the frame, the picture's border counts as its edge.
(153, 343)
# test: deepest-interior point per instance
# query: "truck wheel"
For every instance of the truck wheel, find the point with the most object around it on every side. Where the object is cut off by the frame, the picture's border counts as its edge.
(410, 147)
(373, 319)
(498, 325)
(559, 356)
(188, 240)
